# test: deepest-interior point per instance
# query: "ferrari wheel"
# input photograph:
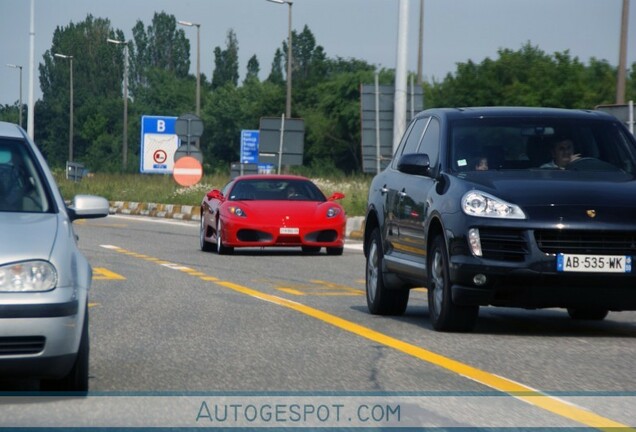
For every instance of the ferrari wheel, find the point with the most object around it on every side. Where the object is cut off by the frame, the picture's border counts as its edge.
(205, 245)
(220, 247)
(334, 250)
(380, 299)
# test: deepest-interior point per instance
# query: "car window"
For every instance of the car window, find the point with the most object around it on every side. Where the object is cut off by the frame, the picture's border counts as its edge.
(21, 185)
(529, 143)
(276, 190)
(430, 142)
(411, 140)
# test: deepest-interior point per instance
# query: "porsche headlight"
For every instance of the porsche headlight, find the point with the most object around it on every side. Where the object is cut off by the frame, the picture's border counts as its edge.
(333, 212)
(480, 204)
(28, 276)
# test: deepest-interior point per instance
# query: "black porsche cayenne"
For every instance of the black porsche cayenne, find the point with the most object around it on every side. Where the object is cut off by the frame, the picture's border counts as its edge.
(504, 206)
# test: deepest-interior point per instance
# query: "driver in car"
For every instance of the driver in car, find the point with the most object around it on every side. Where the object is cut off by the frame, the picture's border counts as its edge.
(562, 154)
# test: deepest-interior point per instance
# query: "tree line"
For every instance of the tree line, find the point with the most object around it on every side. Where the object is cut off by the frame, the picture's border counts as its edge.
(326, 92)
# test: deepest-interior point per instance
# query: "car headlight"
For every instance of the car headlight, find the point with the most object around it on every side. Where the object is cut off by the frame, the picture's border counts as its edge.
(28, 276)
(480, 204)
(333, 212)
(237, 211)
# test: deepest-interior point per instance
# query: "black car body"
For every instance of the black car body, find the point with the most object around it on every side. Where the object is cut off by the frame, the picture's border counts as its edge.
(519, 234)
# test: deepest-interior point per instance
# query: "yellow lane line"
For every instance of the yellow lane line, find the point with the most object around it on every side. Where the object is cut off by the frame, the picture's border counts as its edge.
(101, 273)
(519, 391)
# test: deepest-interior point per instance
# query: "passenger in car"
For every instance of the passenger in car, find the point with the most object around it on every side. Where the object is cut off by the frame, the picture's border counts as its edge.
(562, 151)
(481, 164)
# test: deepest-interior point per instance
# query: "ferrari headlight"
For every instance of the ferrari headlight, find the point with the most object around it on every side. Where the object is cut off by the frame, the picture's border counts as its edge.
(237, 211)
(480, 204)
(28, 276)
(333, 212)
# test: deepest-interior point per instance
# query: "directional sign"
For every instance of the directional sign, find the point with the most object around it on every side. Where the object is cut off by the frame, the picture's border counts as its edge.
(249, 146)
(158, 144)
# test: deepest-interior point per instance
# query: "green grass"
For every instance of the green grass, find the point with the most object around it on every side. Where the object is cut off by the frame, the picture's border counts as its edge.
(162, 189)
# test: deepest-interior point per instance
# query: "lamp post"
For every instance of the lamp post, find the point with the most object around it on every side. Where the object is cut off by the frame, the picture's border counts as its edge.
(124, 149)
(198, 96)
(20, 100)
(70, 121)
(289, 56)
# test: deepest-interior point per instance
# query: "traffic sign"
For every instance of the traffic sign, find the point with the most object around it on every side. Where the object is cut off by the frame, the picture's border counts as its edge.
(188, 126)
(249, 146)
(158, 144)
(187, 171)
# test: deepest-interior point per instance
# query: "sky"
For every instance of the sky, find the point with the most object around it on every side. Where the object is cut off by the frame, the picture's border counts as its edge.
(455, 31)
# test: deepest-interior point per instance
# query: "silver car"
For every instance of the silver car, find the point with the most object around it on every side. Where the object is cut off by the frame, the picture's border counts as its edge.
(44, 278)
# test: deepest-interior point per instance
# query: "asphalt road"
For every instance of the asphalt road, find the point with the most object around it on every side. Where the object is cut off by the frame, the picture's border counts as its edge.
(171, 320)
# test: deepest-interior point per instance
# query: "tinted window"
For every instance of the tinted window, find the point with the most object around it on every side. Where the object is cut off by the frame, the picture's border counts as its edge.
(430, 142)
(411, 140)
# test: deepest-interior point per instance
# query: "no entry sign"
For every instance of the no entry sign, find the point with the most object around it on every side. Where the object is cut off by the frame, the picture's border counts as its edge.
(187, 171)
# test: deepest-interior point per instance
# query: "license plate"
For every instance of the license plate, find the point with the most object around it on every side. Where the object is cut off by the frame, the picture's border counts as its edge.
(285, 230)
(594, 263)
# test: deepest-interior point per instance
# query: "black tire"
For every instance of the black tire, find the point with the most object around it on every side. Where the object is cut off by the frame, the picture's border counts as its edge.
(444, 314)
(588, 313)
(310, 250)
(77, 379)
(381, 300)
(221, 249)
(205, 245)
(334, 250)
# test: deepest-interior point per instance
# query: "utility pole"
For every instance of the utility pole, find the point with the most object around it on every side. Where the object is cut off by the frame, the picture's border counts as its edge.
(622, 57)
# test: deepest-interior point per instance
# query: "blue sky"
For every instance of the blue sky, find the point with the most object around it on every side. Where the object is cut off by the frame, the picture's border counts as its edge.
(454, 30)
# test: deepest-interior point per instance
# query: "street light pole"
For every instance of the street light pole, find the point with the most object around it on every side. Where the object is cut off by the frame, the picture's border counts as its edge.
(20, 100)
(124, 150)
(70, 121)
(289, 55)
(198, 95)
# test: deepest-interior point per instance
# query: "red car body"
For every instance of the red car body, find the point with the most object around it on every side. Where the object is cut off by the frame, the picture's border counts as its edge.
(272, 211)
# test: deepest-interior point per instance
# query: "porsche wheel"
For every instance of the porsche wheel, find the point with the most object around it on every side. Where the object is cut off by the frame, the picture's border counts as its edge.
(220, 247)
(381, 300)
(205, 245)
(445, 315)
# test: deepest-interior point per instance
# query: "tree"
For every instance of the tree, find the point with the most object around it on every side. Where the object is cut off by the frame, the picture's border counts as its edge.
(226, 62)
(161, 46)
(276, 73)
(527, 77)
(96, 84)
(252, 69)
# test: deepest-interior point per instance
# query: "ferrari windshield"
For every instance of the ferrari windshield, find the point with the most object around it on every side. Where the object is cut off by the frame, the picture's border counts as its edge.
(275, 190)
